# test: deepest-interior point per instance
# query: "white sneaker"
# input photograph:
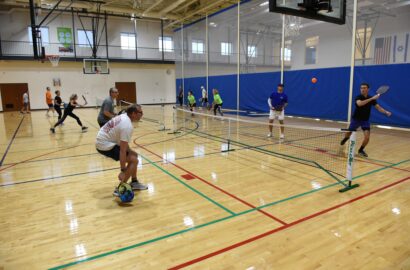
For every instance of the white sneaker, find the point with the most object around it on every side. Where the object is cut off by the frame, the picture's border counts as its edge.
(269, 134)
(138, 186)
(282, 136)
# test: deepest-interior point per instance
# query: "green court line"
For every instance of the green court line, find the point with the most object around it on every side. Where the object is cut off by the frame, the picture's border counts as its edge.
(188, 186)
(214, 221)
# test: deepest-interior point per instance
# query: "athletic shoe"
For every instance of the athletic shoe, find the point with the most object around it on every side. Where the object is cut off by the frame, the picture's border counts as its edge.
(84, 129)
(53, 130)
(363, 154)
(135, 185)
(282, 136)
(269, 134)
(116, 193)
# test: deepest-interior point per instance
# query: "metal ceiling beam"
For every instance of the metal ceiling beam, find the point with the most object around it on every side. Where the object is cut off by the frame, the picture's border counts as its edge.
(171, 7)
(152, 6)
(185, 6)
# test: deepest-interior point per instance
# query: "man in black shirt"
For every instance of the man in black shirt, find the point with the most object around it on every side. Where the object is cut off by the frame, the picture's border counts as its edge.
(361, 115)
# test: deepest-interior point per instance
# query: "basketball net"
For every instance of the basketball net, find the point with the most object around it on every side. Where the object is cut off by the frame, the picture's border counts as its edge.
(292, 26)
(54, 60)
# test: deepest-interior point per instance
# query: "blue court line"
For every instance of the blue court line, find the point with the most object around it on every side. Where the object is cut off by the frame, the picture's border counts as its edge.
(11, 141)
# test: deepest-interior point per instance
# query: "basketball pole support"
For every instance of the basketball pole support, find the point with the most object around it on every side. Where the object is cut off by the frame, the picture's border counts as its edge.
(350, 162)
(174, 122)
(162, 124)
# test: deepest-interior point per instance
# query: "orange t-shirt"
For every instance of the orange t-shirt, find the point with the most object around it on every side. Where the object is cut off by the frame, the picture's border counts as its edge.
(49, 99)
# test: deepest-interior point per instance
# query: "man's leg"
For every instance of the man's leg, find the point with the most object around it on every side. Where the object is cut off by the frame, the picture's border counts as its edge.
(366, 133)
(270, 127)
(347, 136)
(282, 129)
(132, 158)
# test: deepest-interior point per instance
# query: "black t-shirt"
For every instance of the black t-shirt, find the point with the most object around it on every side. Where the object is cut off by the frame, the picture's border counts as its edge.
(57, 101)
(70, 107)
(362, 113)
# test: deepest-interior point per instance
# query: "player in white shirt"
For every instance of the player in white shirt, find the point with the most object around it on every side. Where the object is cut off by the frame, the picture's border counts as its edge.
(113, 141)
(204, 98)
(25, 103)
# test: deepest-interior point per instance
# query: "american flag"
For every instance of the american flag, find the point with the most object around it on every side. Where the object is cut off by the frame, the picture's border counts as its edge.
(382, 50)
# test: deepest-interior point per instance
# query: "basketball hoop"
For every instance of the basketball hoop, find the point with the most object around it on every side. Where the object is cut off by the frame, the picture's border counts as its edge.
(292, 26)
(54, 59)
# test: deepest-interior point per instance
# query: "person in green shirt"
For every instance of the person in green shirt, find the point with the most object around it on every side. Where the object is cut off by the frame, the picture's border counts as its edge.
(217, 102)
(191, 101)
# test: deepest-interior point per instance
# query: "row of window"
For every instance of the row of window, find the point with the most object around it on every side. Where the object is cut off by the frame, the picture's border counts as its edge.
(128, 42)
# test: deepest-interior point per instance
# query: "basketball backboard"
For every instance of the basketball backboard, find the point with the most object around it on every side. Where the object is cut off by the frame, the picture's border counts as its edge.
(96, 66)
(333, 11)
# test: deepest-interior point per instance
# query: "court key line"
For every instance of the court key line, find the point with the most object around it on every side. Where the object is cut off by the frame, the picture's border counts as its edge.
(153, 240)
(301, 220)
(214, 186)
(11, 141)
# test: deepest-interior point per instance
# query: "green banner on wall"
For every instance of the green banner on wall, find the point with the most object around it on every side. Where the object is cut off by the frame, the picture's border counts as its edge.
(65, 38)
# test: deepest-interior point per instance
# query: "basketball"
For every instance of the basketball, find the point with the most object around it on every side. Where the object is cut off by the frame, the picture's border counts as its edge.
(126, 193)
(314, 80)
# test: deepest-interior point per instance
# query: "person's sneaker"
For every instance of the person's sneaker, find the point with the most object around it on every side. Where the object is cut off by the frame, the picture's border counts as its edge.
(282, 136)
(84, 129)
(53, 130)
(138, 186)
(363, 154)
(116, 193)
(342, 142)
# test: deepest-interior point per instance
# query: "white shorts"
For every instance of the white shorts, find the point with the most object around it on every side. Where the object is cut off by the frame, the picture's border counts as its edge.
(277, 114)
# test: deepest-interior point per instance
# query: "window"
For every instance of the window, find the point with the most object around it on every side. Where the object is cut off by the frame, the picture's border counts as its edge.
(85, 38)
(362, 49)
(127, 41)
(287, 53)
(311, 50)
(197, 46)
(168, 44)
(226, 48)
(252, 51)
(44, 35)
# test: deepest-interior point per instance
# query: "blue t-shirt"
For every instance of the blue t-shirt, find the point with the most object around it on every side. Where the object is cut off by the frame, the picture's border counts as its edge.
(278, 99)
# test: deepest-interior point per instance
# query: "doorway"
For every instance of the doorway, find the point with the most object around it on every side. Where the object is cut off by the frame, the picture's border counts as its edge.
(12, 96)
(128, 91)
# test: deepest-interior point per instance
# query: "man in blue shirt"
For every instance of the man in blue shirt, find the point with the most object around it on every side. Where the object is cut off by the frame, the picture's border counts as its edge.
(277, 103)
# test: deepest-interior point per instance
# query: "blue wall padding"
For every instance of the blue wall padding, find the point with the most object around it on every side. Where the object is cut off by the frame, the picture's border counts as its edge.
(326, 99)
(396, 100)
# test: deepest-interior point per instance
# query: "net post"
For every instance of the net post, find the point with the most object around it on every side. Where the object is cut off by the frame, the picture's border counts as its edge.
(229, 138)
(162, 121)
(350, 162)
(174, 121)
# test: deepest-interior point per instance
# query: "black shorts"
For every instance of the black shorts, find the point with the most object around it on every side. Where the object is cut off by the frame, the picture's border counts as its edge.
(50, 105)
(204, 100)
(113, 153)
(192, 105)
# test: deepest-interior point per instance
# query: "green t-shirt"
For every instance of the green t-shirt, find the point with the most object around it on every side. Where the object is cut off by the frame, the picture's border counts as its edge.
(217, 99)
(191, 99)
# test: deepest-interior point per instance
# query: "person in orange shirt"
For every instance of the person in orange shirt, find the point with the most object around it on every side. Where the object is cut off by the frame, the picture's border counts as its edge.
(49, 101)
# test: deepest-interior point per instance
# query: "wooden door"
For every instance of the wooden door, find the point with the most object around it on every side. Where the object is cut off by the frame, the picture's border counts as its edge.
(127, 91)
(12, 95)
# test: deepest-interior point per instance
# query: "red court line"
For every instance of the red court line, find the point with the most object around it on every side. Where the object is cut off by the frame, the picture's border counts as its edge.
(252, 239)
(14, 164)
(360, 160)
(216, 187)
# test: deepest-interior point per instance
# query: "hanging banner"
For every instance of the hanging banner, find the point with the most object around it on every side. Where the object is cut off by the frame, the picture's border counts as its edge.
(65, 38)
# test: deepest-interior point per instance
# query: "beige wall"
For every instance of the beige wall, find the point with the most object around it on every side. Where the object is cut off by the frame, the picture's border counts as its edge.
(154, 84)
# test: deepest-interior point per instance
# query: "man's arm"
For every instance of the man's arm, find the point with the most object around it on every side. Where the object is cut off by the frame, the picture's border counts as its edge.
(270, 104)
(383, 111)
(361, 103)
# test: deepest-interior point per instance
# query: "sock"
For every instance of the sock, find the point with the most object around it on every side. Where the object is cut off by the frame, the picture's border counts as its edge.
(361, 148)
(134, 180)
(344, 141)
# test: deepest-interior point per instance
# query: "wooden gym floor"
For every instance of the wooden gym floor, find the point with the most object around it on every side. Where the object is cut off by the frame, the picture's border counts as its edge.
(203, 210)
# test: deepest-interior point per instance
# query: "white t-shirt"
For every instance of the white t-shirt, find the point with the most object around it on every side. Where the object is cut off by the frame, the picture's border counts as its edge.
(203, 93)
(25, 98)
(113, 132)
